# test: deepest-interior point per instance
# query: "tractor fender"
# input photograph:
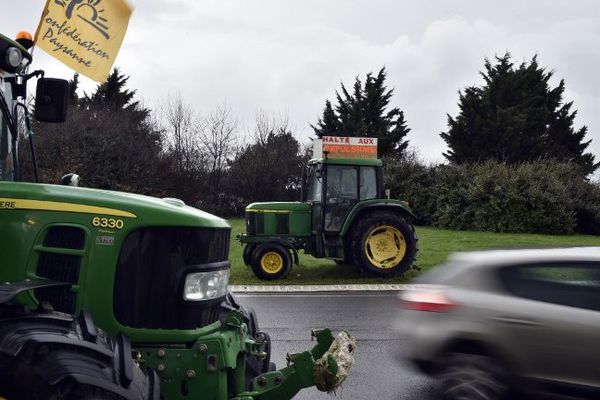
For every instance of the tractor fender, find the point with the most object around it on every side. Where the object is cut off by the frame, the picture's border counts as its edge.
(377, 204)
(284, 243)
(74, 350)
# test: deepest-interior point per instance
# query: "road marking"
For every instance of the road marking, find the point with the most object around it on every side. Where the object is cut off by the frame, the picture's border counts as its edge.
(317, 288)
(316, 295)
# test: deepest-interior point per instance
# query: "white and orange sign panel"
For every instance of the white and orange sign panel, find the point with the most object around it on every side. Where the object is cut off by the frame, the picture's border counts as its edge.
(345, 147)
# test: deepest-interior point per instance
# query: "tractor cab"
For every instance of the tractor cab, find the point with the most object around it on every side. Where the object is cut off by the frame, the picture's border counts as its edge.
(334, 186)
(342, 215)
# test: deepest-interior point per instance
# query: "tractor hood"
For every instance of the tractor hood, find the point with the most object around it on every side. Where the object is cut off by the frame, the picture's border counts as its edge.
(150, 210)
(279, 206)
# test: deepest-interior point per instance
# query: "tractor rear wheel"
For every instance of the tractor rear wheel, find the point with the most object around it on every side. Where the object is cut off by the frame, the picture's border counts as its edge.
(43, 357)
(271, 261)
(384, 244)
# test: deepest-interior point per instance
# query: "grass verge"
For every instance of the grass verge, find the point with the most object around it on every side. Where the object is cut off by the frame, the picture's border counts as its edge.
(434, 247)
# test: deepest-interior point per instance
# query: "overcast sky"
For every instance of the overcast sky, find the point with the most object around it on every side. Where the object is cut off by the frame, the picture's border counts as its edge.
(287, 57)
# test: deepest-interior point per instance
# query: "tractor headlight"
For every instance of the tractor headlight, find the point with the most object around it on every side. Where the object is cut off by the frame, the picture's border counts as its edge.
(13, 57)
(208, 285)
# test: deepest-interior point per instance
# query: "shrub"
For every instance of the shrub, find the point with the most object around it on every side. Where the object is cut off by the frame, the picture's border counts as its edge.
(537, 197)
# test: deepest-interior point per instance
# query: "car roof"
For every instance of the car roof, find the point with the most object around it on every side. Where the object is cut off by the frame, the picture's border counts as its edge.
(491, 258)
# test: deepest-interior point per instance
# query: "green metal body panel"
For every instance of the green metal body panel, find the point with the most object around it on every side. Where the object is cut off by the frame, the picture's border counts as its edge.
(282, 218)
(24, 229)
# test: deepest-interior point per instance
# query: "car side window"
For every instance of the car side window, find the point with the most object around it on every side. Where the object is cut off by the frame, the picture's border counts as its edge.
(573, 285)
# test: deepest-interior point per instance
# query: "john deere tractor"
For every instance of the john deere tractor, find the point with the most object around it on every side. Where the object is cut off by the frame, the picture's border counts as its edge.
(343, 216)
(107, 295)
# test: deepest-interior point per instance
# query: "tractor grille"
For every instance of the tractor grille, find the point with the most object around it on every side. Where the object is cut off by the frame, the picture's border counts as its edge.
(60, 267)
(151, 271)
(66, 237)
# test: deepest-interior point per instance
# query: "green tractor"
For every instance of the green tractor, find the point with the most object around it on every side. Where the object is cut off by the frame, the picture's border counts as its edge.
(107, 295)
(343, 216)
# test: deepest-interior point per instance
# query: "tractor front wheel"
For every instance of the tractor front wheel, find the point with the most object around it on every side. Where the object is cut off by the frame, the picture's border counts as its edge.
(247, 253)
(46, 356)
(271, 261)
(384, 244)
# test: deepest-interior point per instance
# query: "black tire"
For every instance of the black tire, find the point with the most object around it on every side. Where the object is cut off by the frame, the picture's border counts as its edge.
(43, 357)
(473, 377)
(271, 261)
(247, 253)
(402, 233)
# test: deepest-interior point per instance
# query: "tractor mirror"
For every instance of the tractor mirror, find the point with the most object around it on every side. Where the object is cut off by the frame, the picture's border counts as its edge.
(319, 171)
(51, 97)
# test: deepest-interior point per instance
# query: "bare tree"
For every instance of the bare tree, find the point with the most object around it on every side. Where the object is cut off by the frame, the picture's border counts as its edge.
(184, 128)
(268, 168)
(219, 137)
(266, 125)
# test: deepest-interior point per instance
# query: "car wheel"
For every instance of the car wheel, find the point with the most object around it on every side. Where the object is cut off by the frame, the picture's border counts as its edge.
(473, 377)
(271, 261)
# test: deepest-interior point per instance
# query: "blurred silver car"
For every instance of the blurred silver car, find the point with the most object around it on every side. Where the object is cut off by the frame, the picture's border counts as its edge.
(489, 324)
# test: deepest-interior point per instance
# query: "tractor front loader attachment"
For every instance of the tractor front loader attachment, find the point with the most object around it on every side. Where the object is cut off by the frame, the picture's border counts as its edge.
(326, 366)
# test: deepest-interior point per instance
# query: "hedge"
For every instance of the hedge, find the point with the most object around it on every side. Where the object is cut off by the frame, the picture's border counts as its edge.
(536, 197)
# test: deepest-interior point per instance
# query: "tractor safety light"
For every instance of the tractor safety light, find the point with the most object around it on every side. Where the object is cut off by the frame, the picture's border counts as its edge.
(24, 39)
(13, 57)
(200, 286)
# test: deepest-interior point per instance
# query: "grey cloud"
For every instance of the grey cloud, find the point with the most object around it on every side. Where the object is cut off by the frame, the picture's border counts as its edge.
(289, 56)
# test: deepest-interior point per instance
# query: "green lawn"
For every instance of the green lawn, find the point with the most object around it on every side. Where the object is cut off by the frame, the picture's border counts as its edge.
(434, 247)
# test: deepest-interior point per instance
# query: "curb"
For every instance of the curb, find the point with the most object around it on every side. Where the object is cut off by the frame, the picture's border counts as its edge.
(315, 288)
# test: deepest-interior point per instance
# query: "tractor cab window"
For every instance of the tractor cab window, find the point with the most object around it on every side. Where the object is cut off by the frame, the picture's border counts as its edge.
(368, 183)
(315, 185)
(341, 184)
(6, 161)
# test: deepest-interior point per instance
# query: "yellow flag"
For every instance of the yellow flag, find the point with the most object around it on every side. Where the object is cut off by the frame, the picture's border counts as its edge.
(84, 34)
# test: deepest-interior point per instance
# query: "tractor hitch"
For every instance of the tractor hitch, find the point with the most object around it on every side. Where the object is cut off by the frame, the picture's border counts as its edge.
(325, 366)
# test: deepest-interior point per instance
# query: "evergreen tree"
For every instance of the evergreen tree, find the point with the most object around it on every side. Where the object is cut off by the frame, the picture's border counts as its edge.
(108, 139)
(364, 112)
(113, 94)
(515, 116)
(73, 86)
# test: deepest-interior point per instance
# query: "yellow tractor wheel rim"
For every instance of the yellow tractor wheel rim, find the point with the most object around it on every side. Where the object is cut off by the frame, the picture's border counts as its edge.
(271, 262)
(385, 247)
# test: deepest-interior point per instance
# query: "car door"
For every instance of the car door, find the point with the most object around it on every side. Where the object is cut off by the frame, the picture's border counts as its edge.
(553, 321)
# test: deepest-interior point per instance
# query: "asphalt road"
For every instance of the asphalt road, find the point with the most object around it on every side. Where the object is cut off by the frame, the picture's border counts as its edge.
(377, 374)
